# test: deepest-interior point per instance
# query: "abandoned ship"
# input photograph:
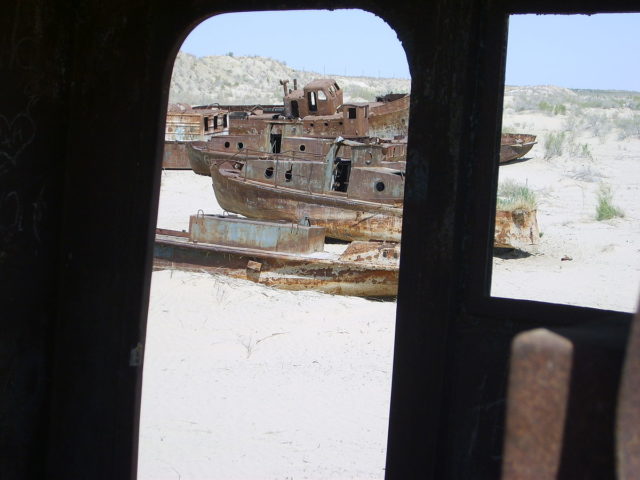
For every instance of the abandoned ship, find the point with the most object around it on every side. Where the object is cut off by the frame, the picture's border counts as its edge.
(318, 163)
(340, 166)
(316, 111)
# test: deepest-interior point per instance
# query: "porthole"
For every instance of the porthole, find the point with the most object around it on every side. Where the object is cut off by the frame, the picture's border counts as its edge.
(380, 186)
(288, 175)
(268, 173)
(227, 144)
(240, 145)
(302, 148)
(311, 125)
(326, 124)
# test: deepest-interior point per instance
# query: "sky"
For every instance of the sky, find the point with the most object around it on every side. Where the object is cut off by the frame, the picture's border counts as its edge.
(574, 51)
(339, 42)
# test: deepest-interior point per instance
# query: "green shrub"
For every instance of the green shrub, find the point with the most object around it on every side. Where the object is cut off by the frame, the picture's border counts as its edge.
(606, 210)
(513, 196)
(559, 109)
(545, 106)
(553, 144)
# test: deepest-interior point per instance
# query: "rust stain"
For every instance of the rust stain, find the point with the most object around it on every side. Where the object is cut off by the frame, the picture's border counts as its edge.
(372, 275)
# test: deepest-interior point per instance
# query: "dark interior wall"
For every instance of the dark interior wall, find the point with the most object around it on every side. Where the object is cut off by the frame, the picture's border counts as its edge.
(35, 42)
(83, 91)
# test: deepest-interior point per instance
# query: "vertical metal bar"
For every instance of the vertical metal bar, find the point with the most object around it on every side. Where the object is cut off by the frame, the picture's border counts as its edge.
(275, 181)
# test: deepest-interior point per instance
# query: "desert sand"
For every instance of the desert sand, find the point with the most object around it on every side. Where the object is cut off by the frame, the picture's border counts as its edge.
(602, 261)
(243, 381)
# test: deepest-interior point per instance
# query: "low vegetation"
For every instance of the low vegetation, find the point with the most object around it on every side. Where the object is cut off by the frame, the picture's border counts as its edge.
(601, 113)
(554, 144)
(513, 195)
(233, 79)
(605, 209)
(558, 109)
(628, 126)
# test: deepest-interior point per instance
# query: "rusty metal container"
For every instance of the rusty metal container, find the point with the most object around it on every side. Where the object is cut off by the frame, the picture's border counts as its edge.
(516, 229)
(245, 233)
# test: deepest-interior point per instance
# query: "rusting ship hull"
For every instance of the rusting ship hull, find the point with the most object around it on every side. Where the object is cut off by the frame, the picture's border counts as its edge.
(201, 164)
(512, 146)
(281, 270)
(515, 145)
(342, 218)
(175, 156)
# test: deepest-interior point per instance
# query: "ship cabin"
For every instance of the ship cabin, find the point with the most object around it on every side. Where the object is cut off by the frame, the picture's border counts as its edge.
(187, 124)
(318, 97)
(356, 119)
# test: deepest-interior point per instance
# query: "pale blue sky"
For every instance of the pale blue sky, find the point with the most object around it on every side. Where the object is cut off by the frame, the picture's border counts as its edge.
(340, 42)
(575, 51)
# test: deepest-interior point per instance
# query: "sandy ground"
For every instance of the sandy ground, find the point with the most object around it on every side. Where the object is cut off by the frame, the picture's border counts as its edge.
(245, 382)
(604, 270)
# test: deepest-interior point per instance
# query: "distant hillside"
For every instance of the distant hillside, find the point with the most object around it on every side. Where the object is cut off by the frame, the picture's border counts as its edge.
(549, 97)
(255, 80)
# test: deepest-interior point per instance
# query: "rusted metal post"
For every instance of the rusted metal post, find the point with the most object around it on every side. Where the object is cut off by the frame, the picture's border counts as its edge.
(563, 387)
(329, 159)
(536, 408)
(275, 180)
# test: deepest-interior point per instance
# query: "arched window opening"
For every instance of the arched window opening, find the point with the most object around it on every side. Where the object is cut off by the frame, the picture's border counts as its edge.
(242, 366)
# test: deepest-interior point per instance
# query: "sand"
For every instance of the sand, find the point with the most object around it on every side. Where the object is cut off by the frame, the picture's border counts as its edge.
(602, 262)
(243, 381)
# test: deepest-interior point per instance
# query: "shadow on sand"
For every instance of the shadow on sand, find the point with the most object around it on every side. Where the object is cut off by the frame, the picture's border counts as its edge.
(510, 253)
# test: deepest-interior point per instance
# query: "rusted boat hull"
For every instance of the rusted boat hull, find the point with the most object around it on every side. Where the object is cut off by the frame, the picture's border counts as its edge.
(280, 270)
(342, 218)
(201, 164)
(515, 145)
(349, 220)
(390, 119)
(176, 157)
